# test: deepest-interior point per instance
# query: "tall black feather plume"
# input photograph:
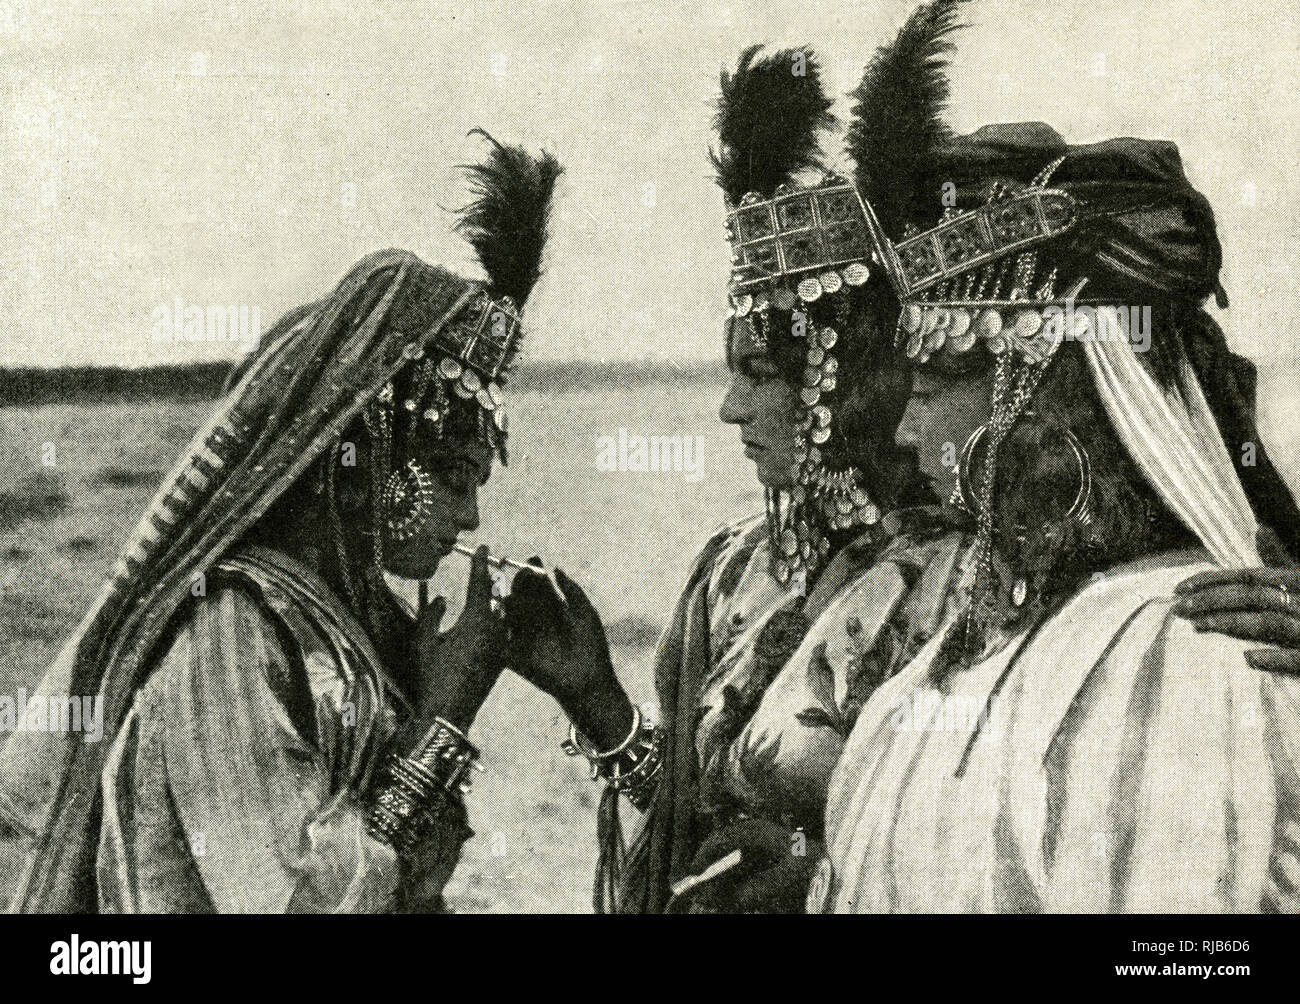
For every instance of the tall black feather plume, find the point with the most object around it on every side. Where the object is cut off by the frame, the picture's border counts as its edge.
(897, 119)
(768, 118)
(506, 222)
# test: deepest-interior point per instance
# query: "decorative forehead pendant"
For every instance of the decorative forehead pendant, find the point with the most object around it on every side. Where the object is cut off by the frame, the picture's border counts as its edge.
(484, 337)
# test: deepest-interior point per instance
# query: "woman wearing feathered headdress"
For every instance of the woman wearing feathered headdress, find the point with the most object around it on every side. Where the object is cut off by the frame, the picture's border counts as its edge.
(1066, 739)
(779, 633)
(279, 734)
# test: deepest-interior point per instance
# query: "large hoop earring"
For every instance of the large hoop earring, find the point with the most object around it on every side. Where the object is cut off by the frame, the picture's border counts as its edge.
(1080, 510)
(407, 501)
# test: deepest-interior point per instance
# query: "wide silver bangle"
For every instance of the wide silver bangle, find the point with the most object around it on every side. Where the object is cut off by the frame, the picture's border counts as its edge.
(412, 792)
(446, 755)
(578, 743)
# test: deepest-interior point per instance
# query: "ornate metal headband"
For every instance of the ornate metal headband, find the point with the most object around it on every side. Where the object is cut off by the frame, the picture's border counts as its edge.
(963, 243)
(467, 358)
(485, 336)
(973, 277)
(818, 239)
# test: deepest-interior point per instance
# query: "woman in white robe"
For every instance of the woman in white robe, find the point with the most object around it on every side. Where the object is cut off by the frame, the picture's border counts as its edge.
(1069, 740)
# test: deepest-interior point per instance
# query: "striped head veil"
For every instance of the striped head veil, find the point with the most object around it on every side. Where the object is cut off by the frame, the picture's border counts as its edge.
(290, 406)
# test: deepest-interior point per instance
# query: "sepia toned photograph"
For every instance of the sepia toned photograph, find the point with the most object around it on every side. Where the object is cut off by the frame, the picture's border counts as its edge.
(645, 457)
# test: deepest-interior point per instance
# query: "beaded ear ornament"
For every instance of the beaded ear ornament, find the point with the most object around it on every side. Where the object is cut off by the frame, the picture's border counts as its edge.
(407, 500)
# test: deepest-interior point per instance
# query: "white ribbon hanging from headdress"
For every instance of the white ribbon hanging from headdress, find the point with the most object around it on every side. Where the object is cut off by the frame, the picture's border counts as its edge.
(1173, 438)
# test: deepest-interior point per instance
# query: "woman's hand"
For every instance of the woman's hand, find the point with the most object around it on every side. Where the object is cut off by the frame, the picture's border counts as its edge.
(458, 668)
(1253, 604)
(775, 870)
(558, 644)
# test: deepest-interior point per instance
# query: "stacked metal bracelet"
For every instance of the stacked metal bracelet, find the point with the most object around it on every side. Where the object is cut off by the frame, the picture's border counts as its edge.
(632, 767)
(412, 792)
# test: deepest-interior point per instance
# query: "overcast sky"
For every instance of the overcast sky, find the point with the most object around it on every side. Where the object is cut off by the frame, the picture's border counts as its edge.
(151, 152)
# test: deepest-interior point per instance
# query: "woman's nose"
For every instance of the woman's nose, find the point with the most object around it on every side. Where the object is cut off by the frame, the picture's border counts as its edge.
(736, 408)
(907, 435)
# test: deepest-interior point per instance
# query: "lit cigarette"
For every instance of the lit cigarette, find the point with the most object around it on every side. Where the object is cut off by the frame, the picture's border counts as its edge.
(713, 871)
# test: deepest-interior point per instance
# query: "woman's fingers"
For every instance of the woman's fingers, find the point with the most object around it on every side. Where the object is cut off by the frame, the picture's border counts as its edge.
(430, 622)
(534, 610)
(782, 888)
(478, 594)
(1250, 606)
(1232, 596)
(1273, 660)
(1270, 628)
(532, 591)
(1279, 569)
(573, 593)
(761, 841)
(1273, 577)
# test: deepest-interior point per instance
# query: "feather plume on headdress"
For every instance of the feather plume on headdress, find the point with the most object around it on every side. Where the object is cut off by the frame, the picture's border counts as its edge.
(897, 118)
(768, 118)
(506, 223)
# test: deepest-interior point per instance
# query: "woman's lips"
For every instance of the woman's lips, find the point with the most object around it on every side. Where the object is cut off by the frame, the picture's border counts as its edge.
(753, 449)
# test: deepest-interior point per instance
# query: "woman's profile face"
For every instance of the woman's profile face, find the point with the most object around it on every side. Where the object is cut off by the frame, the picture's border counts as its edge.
(942, 412)
(457, 467)
(761, 403)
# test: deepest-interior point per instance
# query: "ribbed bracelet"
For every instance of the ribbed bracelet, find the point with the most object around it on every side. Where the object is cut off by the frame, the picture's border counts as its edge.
(412, 792)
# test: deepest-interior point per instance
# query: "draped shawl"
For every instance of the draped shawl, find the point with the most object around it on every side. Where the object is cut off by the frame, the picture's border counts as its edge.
(292, 402)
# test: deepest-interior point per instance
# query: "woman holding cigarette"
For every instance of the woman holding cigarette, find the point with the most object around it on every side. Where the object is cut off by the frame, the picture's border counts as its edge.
(280, 735)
